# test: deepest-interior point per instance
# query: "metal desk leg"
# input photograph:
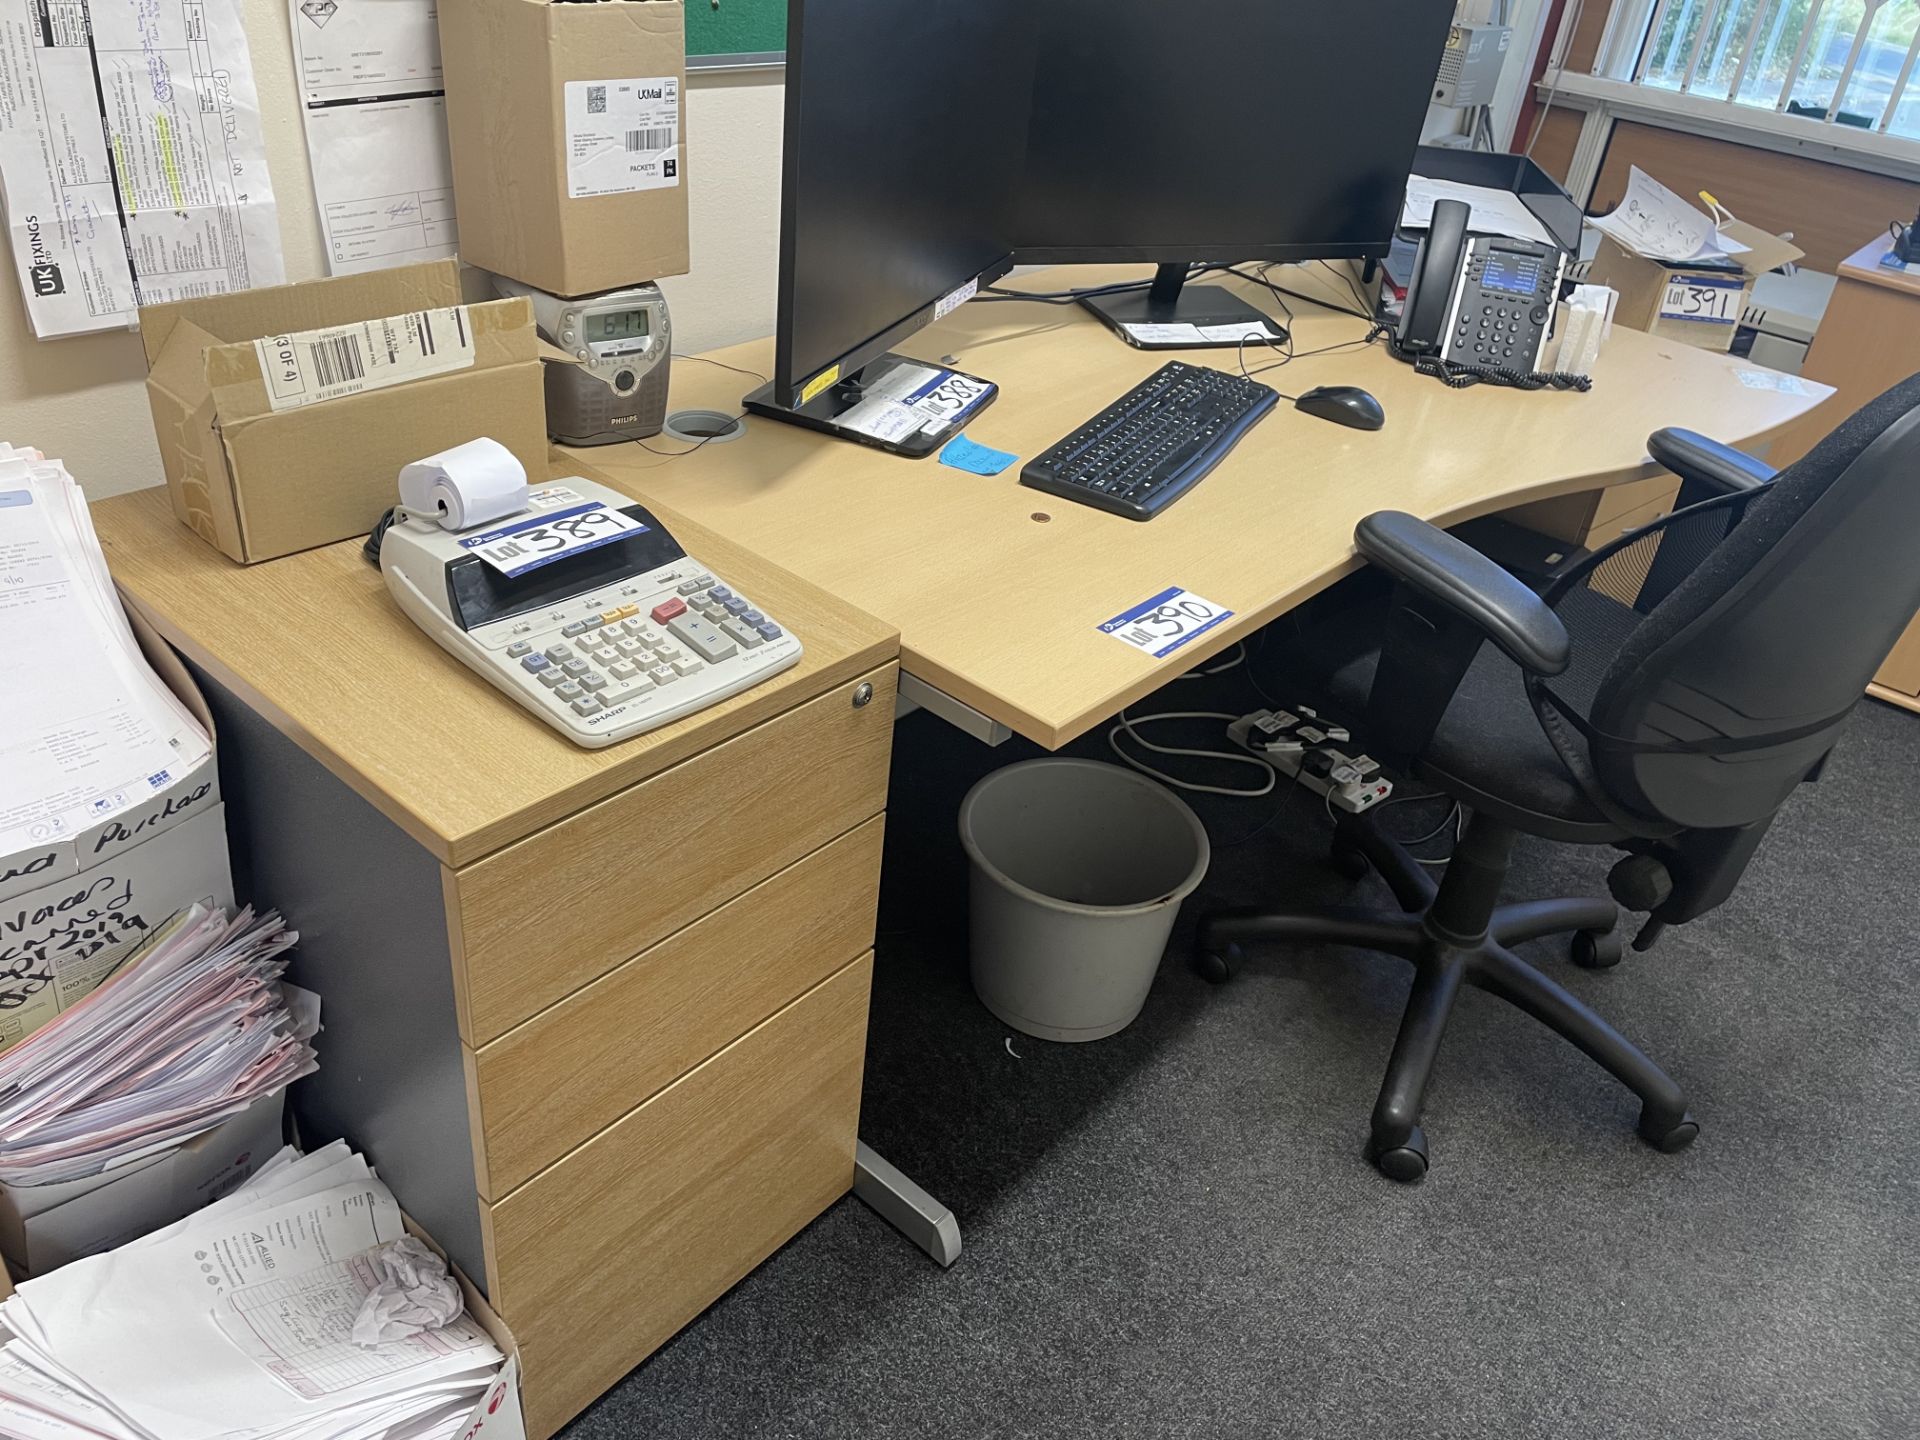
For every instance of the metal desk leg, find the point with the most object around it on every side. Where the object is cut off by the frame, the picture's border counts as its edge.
(895, 1198)
(905, 1206)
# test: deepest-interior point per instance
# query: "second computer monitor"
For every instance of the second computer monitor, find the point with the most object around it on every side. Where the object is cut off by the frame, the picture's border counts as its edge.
(1224, 130)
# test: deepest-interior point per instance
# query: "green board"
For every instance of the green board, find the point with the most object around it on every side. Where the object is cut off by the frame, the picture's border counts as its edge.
(734, 32)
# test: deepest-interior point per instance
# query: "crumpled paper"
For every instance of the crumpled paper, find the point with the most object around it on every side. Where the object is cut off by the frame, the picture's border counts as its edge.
(415, 1293)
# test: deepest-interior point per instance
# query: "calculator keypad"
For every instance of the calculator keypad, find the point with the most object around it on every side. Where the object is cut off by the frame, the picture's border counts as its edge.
(597, 662)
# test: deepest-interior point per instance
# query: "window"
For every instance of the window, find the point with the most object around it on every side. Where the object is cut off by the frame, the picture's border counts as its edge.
(1840, 62)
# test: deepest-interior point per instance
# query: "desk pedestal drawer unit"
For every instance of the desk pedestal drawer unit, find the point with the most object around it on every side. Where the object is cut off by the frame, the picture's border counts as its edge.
(599, 1017)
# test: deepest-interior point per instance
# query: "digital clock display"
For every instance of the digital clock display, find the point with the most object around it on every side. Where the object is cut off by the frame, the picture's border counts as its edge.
(617, 325)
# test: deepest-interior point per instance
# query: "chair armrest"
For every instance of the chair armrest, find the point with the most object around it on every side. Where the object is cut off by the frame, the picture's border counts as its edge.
(1453, 574)
(1698, 460)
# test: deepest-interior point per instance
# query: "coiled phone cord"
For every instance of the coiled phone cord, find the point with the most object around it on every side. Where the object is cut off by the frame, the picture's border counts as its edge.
(1460, 377)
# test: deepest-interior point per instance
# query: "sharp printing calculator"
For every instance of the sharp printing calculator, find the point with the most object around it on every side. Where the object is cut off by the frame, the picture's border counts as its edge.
(584, 609)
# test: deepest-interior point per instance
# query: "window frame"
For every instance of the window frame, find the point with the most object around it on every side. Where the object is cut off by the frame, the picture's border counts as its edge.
(1613, 88)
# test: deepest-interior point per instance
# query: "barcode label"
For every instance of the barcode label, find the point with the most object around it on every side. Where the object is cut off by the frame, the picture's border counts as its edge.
(316, 365)
(622, 135)
(660, 137)
(338, 359)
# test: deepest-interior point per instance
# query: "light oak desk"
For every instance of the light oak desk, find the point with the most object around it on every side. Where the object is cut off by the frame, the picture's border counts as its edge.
(997, 590)
(1868, 341)
(598, 1016)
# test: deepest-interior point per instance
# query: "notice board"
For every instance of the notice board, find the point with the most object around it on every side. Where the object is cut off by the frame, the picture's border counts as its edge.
(722, 33)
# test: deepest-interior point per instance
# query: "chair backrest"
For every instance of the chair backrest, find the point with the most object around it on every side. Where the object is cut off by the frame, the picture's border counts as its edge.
(1776, 631)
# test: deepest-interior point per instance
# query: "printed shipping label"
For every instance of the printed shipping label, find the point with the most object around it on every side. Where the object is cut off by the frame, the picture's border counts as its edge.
(622, 136)
(315, 365)
(954, 301)
(1169, 620)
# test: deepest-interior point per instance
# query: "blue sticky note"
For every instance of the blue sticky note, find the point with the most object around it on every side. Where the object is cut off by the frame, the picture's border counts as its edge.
(963, 454)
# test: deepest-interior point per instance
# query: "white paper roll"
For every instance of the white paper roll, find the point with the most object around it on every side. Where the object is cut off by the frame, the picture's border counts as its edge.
(465, 486)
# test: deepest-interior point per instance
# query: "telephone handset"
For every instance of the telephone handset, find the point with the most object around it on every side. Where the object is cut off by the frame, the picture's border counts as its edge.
(1479, 306)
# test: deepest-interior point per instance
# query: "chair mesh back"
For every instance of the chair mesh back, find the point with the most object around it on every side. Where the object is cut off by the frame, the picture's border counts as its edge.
(1762, 627)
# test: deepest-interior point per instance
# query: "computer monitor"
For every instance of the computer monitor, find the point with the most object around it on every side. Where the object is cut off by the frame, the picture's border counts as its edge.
(1220, 130)
(905, 128)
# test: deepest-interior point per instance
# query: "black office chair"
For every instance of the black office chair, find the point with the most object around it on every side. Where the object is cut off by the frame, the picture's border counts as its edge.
(1664, 696)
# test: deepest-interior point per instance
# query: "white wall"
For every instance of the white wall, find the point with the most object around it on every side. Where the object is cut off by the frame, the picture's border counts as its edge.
(84, 399)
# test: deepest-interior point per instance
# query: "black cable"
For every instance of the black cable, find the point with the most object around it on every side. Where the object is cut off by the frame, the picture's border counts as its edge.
(1306, 354)
(1284, 344)
(1279, 806)
(705, 440)
(1446, 821)
(990, 294)
(1359, 300)
(1461, 377)
(709, 360)
(1315, 300)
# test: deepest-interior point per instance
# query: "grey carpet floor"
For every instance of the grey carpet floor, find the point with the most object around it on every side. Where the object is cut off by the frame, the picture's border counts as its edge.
(1174, 1232)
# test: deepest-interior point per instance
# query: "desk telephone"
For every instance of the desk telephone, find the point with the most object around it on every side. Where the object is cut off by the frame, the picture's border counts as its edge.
(1481, 307)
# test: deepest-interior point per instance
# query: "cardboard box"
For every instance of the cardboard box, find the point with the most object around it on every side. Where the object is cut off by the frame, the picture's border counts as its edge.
(71, 909)
(499, 1413)
(260, 465)
(1699, 305)
(43, 1227)
(568, 139)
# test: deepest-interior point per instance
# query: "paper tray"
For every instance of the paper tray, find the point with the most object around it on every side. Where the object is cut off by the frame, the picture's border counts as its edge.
(1538, 191)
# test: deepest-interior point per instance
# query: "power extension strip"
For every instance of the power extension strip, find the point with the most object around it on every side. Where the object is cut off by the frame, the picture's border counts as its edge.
(1303, 746)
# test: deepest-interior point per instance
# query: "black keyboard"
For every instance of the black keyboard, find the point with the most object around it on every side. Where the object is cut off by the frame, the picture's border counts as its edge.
(1153, 444)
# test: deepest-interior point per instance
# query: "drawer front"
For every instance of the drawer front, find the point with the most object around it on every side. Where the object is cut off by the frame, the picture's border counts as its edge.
(1618, 501)
(1607, 531)
(536, 921)
(1622, 577)
(599, 1260)
(552, 1084)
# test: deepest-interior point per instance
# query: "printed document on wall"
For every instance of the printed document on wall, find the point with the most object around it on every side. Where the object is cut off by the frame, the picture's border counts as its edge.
(131, 157)
(376, 115)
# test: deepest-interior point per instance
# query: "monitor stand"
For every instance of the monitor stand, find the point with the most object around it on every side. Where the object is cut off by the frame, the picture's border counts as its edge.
(900, 405)
(1169, 315)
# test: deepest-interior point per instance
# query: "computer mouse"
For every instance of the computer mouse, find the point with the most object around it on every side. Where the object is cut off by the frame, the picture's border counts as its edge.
(1344, 405)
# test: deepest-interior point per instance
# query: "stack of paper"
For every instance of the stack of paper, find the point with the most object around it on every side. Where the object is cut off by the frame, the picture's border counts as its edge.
(1656, 224)
(1495, 212)
(235, 1324)
(192, 1029)
(87, 730)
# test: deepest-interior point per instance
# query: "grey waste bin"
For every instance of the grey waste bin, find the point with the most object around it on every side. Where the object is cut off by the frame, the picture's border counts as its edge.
(1078, 871)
